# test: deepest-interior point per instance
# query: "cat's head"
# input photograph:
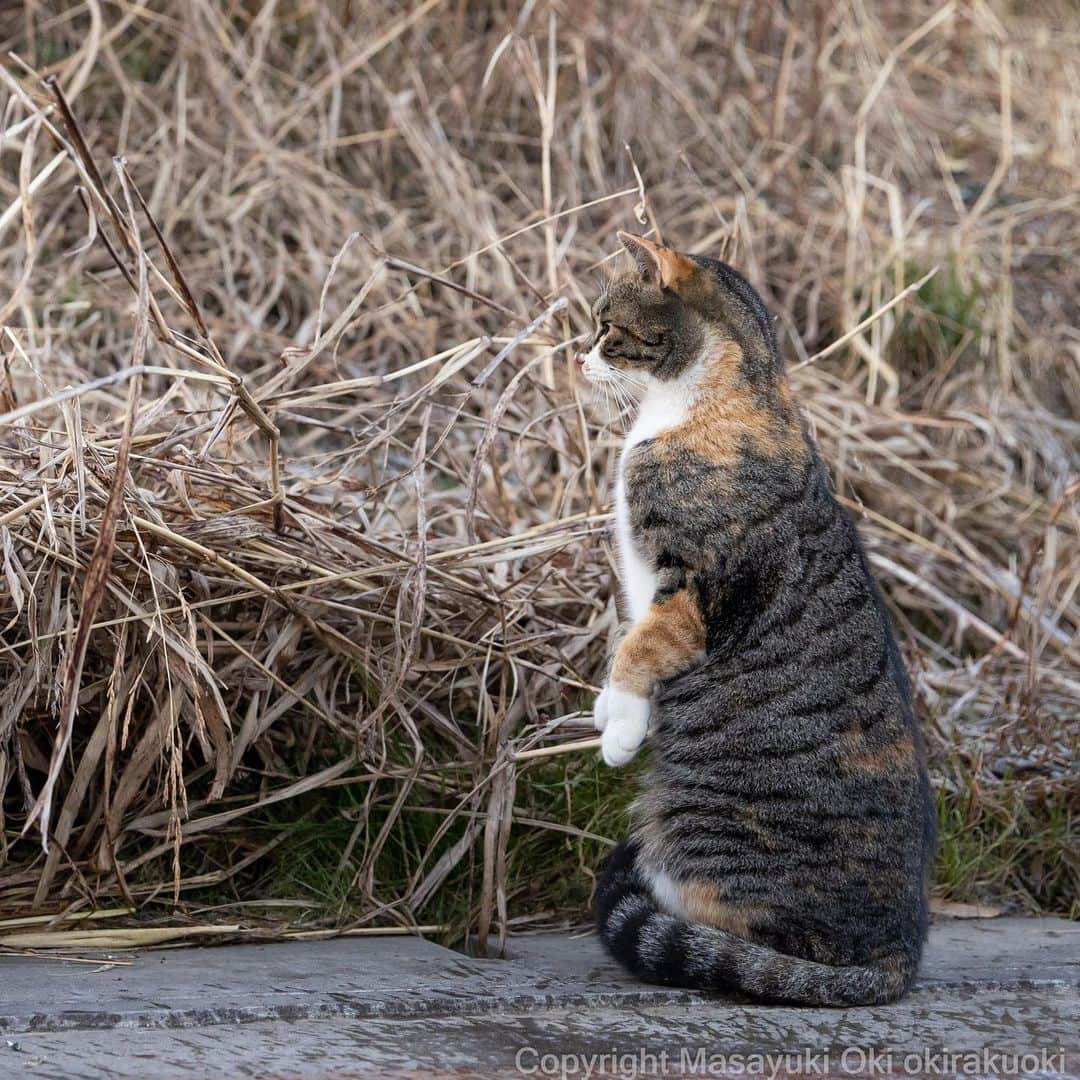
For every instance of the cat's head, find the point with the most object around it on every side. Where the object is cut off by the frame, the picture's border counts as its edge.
(673, 312)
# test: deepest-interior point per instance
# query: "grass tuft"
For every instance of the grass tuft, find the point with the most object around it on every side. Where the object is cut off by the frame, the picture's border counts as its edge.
(304, 580)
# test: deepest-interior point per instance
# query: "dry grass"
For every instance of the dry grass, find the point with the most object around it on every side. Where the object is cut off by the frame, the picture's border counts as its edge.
(303, 514)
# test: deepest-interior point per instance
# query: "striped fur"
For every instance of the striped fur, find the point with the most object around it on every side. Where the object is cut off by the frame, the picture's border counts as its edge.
(666, 949)
(783, 839)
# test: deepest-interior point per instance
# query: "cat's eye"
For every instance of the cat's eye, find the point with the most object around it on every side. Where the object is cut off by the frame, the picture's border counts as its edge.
(652, 340)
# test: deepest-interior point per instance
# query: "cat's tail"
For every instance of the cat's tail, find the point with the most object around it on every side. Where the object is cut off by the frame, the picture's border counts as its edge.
(666, 949)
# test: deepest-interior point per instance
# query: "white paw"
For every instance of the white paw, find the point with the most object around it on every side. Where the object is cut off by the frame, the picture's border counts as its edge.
(600, 709)
(626, 725)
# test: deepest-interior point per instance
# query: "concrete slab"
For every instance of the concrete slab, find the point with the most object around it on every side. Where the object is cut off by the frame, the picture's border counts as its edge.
(993, 1031)
(961, 953)
(350, 977)
(398, 977)
(380, 1006)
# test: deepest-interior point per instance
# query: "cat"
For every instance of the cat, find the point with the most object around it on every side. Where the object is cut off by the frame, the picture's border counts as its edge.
(783, 840)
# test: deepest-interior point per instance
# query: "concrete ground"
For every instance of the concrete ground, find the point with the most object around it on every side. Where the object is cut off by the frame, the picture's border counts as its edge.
(996, 997)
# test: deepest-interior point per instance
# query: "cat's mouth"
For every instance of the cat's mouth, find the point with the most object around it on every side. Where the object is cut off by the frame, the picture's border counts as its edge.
(597, 370)
(593, 366)
(612, 383)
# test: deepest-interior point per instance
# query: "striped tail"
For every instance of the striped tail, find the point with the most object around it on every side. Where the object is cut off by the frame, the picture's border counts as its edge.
(662, 948)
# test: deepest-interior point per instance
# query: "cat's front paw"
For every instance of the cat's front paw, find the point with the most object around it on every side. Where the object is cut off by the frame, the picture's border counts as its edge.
(626, 723)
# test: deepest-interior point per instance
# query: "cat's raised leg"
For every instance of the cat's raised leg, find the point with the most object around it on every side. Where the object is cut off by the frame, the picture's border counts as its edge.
(670, 639)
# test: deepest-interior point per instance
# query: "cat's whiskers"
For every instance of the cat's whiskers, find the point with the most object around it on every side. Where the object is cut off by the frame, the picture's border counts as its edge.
(615, 397)
(604, 392)
(629, 381)
(628, 392)
(618, 386)
(625, 406)
(622, 402)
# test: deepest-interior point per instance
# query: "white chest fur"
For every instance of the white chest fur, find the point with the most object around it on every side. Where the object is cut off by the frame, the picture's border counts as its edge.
(664, 406)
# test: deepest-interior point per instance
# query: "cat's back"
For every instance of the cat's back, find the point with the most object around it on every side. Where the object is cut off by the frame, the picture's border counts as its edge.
(797, 633)
(792, 757)
(801, 710)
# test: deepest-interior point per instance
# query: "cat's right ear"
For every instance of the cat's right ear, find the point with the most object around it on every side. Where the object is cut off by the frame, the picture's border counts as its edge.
(645, 255)
(657, 265)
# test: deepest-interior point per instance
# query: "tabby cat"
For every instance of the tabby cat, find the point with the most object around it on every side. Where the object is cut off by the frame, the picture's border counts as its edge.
(782, 842)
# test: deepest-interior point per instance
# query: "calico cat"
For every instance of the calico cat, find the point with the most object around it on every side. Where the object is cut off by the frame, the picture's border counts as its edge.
(783, 841)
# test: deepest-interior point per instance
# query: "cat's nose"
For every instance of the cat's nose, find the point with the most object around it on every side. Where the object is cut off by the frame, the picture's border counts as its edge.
(580, 358)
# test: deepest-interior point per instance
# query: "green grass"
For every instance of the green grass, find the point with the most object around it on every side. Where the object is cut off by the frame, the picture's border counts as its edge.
(51, 50)
(1015, 846)
(1009, 843)
(1009, 846)
(551, 872)
(143, 61)
(940, 326)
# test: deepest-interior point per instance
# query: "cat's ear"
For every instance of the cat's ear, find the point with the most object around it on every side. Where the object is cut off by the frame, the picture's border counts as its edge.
(658, 265)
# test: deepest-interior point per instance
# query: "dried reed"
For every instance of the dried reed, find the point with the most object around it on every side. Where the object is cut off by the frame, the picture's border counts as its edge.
(299, 494)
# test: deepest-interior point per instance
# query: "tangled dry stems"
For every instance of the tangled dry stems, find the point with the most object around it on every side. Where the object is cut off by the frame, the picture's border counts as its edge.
(298, 490)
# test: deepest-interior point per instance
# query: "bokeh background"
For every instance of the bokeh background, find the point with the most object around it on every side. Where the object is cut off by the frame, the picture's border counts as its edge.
(307, 583)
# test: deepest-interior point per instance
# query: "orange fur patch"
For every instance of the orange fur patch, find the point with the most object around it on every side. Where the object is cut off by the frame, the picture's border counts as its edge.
(675, 269)
(726, 415)
(669, 640)
(702, 904)
(896, 756)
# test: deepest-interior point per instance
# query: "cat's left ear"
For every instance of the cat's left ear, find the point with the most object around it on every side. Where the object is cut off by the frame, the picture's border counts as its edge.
(656, 264)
